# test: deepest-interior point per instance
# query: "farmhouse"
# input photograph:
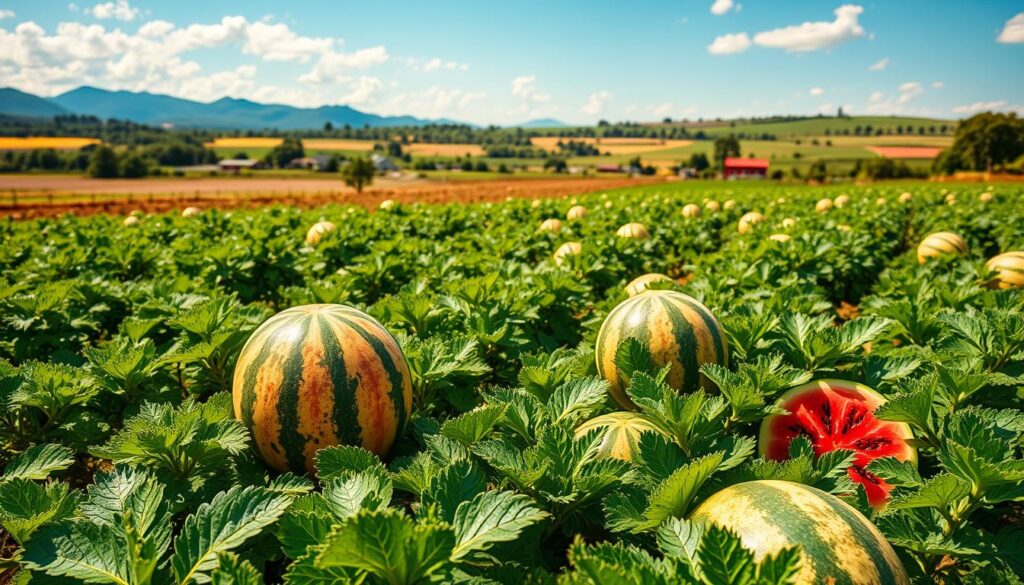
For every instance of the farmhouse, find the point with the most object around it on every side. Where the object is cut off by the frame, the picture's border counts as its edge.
(382, 163)
(305, 162)
(609, 168)
(234, 165)
(745, 168)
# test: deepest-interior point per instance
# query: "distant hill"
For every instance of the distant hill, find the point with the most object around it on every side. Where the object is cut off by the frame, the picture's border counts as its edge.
(225, 113)
(14, 102)
(543, 123)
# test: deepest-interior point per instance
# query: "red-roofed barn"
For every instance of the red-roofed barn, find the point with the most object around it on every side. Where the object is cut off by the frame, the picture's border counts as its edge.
(746, 168)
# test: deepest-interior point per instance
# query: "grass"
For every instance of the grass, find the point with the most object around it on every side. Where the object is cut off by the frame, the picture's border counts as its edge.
(818, 126)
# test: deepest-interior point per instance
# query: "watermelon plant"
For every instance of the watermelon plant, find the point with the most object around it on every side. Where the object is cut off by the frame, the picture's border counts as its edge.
(446, 393)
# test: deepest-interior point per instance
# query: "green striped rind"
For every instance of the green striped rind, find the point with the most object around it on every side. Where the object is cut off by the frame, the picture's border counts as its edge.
(839, 545)
(1010, 269)
(940, 244)
(620, 433)
(677, 329)
(321, 375)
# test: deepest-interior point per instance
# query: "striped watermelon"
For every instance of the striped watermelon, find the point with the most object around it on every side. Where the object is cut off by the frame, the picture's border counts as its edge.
(838, 544)
(318, 230)
(940, 244)
(1009, 269)
(637, 231)
(620, 433)
(642, 282)
(315, 376)
(676, 328)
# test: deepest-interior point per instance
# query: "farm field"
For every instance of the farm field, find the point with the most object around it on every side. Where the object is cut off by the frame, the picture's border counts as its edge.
(54, 142)
(479, 392)
(818, 126)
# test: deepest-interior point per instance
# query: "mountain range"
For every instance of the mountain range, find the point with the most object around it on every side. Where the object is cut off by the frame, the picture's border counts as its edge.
(225, 113)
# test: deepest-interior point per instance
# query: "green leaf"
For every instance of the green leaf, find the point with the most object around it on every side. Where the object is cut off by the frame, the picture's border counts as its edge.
(672, 498)
(135, 494)
(780, 568)
(347, 495)
(388, 544)
(304, 571)
(223, 524)
(680, 538)
(459, 482)
(332, 462)
(297, 530)
(25, 506)
(895, 472)
(473, 425)
(232, 570)
(723, 560)
(492, 517)
(38, 462)
(577, 399)
(941, 491)
(81, 550)
(632, 357)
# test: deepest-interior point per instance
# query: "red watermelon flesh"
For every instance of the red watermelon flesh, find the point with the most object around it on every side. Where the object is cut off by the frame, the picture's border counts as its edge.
(838, 414)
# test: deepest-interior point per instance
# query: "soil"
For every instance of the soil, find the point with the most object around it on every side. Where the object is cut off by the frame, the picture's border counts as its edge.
(56, 195)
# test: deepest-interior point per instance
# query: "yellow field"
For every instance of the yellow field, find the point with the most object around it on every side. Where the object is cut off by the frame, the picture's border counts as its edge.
(896, 140)
(56, 143)
(444, 149)
(613, 145)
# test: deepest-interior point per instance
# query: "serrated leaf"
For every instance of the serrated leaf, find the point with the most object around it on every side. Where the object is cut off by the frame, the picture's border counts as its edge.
(474, 425)
(680, 538)
(672, 498)
(38, 462)
(81, 550)
(941, 491)
(492, 517)
(332, 462)
(388, 544)
(577, 399)
(459, 482)
(348, 494)
(223, 524)
(232, 570)
(723, 560)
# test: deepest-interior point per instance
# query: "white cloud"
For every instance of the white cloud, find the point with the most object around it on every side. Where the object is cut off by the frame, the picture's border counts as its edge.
(729, 44)
(816, 91)
(433, 102)
(1013, 30)
(277, 42)
(525, 87)
(980, 107)
(6, 13)
(720, 7)
(595, 103)
(436, 64)
(813, 36)
(938, 85)
(879, 65)
(661, 110)
(336, 66)
(363, 91)
(119, 9)
(881, 103)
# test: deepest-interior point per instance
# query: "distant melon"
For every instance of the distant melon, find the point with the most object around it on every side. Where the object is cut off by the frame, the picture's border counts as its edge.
(576, 213)
(1009, 269)
(642, 283)
(386, 205)
(691, 210)
(842, 200)
(940, 244)
(712, 206)
(317, 232)
(551, 225)
(191, 212)
(748, 221)
(906, 197)
(633, 230)
(567, 249)
(780, 237)
(823, 205)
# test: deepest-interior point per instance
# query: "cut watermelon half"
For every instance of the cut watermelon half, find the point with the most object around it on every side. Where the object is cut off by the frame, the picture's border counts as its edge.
(838, 414)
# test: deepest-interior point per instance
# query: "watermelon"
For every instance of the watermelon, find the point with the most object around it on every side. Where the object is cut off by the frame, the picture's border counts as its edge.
(566, 250)
(677, 329)
(315, 376)
(940, 244)
(642, 282)
(576, 213)
(636, 231)
(551, 225)
(838, 414)
(748, 221)
(838, 544)
(1008, 268)
(691, 210)
(318, 230)
(620, 433)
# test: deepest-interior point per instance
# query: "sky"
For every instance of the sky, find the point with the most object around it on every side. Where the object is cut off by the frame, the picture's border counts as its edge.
(490, 62)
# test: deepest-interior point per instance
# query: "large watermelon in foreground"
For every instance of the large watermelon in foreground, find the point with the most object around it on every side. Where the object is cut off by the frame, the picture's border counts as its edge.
(838, 544)
(315, 376)
(678, 331)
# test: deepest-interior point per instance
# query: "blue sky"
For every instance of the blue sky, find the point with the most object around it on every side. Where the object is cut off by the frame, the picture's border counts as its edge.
(491, 62)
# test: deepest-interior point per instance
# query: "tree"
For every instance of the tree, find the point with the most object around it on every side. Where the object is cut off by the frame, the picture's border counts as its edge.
(328, 127)
(726, 146)
(987, 140)
(133, 166)
(699, 161)
(289, 150)
(556, 164)
(358, 173)
(818, 171)
(104, 163)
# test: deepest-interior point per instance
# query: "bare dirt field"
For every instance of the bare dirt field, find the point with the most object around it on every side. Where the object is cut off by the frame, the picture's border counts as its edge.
(88, 196)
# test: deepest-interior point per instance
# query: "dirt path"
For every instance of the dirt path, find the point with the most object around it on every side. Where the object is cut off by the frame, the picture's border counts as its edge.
(162, 195)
